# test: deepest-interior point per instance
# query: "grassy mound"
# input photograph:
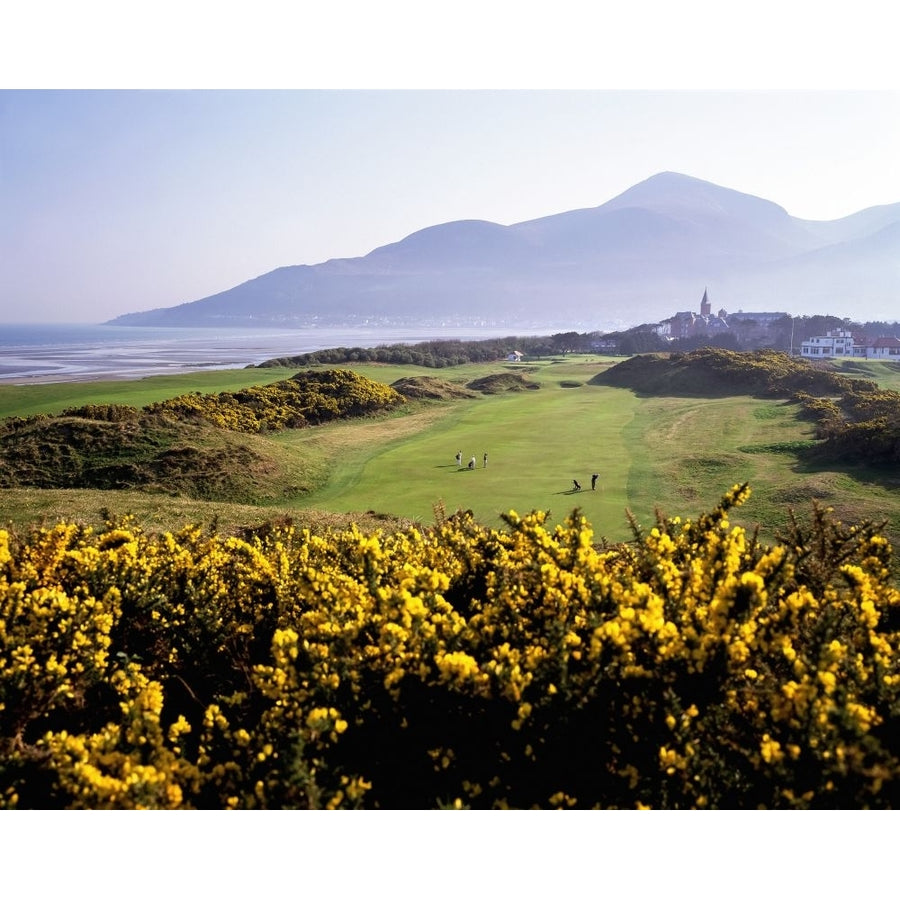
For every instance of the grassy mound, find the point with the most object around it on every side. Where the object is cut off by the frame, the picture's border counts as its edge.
(425, 387)
(505, 381)
(857, 422)
(724, 373)
(145, 451)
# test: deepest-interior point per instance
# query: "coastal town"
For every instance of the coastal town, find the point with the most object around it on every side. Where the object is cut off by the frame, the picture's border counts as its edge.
(810, 337)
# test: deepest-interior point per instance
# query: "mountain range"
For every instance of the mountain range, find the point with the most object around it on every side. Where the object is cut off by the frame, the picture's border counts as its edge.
(640, 257)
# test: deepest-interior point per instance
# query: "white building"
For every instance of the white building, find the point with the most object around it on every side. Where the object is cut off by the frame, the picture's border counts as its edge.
(835, 343)
(841, 344)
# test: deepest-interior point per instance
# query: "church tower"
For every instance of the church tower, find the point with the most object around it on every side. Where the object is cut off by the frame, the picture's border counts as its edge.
(705, 305)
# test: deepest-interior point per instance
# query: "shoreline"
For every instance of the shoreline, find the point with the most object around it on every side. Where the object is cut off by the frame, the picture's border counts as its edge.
(90, 377)
(70, 354)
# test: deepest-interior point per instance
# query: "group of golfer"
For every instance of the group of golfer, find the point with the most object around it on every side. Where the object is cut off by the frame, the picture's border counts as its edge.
(575, 482)
(471, 461)
(577, 486)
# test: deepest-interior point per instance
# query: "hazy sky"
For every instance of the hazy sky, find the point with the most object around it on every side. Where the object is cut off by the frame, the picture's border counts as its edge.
(114, 201)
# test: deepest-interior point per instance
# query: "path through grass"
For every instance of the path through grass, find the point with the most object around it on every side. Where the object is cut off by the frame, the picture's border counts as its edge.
(686, 452)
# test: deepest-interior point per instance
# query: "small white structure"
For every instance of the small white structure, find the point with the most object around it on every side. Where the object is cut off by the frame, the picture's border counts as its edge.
(835, 343)
(515, 356)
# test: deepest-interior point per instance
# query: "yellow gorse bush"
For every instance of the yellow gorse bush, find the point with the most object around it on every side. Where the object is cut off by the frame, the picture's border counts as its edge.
(459, 665)
(308, 398)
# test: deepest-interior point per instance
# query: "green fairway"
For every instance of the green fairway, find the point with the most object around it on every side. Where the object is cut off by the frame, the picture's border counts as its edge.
(537, 442)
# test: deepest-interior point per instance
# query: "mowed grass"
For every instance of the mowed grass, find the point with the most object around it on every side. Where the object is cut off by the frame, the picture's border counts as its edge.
(678, 455)
(537, 442)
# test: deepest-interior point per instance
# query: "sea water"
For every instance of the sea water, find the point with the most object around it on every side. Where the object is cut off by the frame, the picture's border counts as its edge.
(57, 353)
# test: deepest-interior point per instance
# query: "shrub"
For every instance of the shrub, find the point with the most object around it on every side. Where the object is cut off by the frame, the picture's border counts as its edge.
(308, 398)
(457, 665)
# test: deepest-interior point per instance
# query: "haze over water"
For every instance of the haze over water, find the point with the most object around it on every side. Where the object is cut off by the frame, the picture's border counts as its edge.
(59, 353)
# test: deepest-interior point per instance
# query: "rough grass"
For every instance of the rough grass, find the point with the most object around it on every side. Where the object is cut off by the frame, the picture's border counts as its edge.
(21, 508)
(425, 387)
(155, 455)
(502, 381)
(193, 445)
(675, 439)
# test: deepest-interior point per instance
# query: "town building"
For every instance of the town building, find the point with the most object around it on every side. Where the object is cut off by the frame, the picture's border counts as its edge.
(688, 324)
(761, 329)
(834, 344)
(884, 348)
(842, 344)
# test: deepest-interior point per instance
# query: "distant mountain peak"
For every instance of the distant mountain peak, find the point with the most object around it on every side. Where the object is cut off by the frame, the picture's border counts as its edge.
(632, 260)
(674, 191)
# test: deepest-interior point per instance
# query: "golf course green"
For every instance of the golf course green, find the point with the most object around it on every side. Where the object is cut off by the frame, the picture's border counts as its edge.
(673, 454)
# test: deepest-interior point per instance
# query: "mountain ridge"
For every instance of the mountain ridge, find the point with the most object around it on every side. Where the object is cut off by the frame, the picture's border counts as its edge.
(638, 257)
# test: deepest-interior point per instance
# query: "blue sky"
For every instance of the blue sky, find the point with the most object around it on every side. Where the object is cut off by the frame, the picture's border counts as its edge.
(114, 200)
